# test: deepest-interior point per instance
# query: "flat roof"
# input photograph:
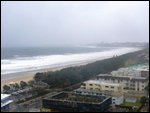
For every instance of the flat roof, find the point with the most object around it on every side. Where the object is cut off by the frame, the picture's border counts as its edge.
(6, 103)
(4, 96)
(123, 77)
(143, 70)
(102, 82)
(73, 97)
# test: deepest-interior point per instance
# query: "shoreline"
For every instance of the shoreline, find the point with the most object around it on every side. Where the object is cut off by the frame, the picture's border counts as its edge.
(28, 75)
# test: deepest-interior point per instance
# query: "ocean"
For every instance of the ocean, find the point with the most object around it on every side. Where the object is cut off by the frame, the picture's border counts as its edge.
(23, 59)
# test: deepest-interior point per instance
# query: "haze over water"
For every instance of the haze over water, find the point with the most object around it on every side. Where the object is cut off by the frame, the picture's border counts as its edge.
(27, 59)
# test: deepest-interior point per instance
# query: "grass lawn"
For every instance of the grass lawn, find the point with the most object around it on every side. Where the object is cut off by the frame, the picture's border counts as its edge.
(130, 104)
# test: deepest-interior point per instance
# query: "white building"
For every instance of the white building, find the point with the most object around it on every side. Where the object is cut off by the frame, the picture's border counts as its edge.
(117, 99)
(5, 102)
(130, 83)
(101, 85)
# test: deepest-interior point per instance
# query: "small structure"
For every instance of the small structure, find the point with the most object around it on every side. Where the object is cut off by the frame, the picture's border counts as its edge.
(117, 98)
(5, 102)
(131, 100)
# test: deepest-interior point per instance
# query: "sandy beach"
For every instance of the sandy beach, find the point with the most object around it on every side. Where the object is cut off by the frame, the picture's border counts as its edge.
(28, 75)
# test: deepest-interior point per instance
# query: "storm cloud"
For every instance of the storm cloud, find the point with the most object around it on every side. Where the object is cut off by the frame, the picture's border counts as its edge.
(28, 23)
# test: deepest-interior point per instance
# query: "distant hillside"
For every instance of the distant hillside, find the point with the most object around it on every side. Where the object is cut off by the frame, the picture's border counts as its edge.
(123, 44)
(73, 75)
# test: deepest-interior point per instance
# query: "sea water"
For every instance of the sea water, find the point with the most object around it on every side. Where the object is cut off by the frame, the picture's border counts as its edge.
(21, 59)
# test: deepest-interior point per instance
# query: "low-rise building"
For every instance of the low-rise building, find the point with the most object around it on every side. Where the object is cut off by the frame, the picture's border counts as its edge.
(117, 98)
(5, 102)
(73, 102)
(101, 85)
(22, 95)
(130, 83)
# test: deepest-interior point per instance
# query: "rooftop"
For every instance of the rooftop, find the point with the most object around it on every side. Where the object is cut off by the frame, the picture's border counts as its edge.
(6, 102)
(3, 96)
(102, 82)
(72, 97)
(119, 77)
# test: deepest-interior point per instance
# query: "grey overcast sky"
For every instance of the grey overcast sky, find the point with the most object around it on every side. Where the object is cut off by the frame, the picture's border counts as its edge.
(70, 23)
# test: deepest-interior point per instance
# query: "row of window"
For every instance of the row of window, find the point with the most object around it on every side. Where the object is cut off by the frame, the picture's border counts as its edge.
(120, 80)
(108, 86)
(105, 86)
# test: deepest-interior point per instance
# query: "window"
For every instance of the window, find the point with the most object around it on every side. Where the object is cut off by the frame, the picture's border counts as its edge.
(112, 86)
(126, 88)
(91, 84)
(83, 84)
(106, 86)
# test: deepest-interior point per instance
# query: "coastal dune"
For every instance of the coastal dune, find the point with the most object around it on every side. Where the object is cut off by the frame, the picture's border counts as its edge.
(60, 63)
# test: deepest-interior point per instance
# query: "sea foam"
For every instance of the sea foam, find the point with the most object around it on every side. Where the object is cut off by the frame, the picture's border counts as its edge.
(21, 64)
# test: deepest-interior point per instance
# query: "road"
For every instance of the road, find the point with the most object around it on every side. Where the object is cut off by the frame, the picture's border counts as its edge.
(36, 103)
(33, 104)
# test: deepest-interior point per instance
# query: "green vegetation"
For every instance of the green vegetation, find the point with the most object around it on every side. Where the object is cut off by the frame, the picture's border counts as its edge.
(6, 88)
(131, 104)
(23, 84)
(40, 91)
(143, 99)
(73, 75)
(14, 87)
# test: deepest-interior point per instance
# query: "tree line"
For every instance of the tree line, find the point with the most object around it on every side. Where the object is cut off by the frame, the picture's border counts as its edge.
(72, 75)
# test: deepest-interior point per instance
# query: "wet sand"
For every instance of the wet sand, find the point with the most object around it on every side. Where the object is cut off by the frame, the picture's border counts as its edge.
(26, 76)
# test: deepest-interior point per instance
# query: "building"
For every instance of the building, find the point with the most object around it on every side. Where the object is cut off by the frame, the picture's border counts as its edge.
(117, 98)
(101, 85)
(22, 95)
(132, 78)
(73, 102)
(5, 102)
(130, 83)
